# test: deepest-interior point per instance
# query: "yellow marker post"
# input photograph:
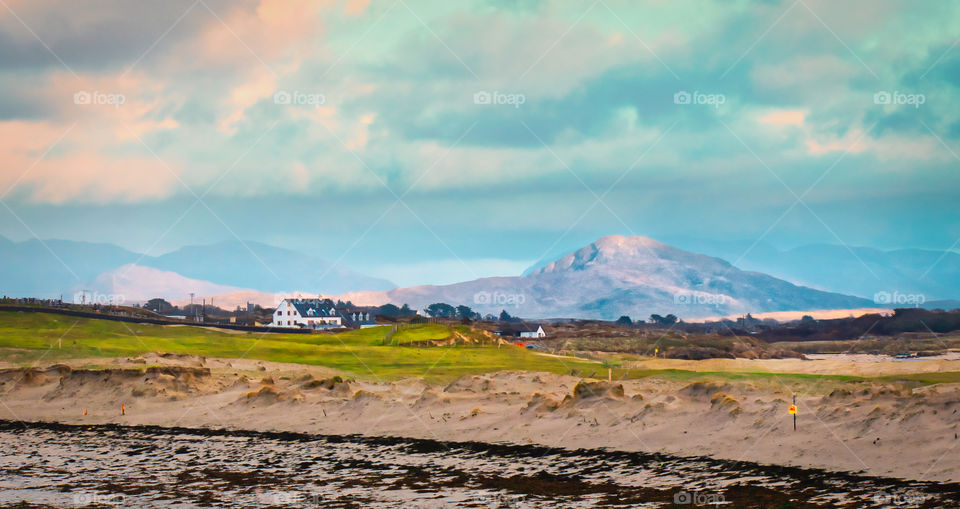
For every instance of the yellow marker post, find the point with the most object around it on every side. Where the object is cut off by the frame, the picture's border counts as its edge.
(793, 411)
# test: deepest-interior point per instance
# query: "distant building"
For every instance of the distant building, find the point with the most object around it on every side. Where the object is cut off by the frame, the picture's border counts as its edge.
(521, 330)
(318, 314)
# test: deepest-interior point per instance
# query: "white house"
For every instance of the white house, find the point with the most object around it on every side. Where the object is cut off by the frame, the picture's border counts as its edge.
(522, 330)
(318, 314)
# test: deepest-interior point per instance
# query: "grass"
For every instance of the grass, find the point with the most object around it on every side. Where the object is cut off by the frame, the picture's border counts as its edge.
(32, 338)
(28, 338)
(423, 332)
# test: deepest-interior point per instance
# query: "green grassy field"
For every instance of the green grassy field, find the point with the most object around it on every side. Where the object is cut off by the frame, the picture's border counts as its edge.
(43, 338)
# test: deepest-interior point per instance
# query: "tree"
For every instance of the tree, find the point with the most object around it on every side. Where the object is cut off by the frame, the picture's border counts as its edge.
(466, 313)
(664, 320)
(504, 316)
(158, 305)
(807, 319)
(624, 320)
(388, 310)
(441, 310)
(406, 311)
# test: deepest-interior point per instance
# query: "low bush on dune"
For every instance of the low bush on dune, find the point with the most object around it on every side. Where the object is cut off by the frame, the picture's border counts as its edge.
(326, 383)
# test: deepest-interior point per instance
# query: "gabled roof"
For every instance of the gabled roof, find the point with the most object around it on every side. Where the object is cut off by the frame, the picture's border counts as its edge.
(519, 327)
(363, 317)
(313, 307)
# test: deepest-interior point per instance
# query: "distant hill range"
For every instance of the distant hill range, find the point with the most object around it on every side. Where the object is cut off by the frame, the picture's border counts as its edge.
(56, 267)
(614, 276)
(634, 276)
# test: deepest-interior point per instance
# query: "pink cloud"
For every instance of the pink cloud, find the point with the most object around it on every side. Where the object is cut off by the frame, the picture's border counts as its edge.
(356, 7)
(786, 117)
(279, 32)
(362, 132)
(854, 142)
(75, 169)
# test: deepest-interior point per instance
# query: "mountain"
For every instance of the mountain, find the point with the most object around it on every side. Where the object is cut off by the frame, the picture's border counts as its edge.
(134, 283)
(617, 275)
(52, 268)
(265, 268)
(860, 271)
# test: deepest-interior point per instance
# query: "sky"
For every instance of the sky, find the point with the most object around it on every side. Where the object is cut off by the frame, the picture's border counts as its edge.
(442, 141)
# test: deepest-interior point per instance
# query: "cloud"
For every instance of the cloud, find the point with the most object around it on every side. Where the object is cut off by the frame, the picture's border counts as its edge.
(76, 168)
(598, 91)
(781, 118)
(356, 7)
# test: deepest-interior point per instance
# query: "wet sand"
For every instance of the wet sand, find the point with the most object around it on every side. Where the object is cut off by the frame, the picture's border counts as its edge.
(141, 466)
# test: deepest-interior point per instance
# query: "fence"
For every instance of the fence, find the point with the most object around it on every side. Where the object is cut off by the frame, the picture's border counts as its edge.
(152, 321)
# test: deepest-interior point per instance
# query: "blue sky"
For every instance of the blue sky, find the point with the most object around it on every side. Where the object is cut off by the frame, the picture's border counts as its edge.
(360, 131)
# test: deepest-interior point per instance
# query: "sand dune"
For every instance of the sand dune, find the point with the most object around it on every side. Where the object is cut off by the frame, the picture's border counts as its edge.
(878, 428)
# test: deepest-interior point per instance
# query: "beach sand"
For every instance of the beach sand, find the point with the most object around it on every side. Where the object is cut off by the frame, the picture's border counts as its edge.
(876, 428)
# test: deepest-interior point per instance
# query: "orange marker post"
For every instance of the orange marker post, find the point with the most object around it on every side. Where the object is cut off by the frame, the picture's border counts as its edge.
(123, 409)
